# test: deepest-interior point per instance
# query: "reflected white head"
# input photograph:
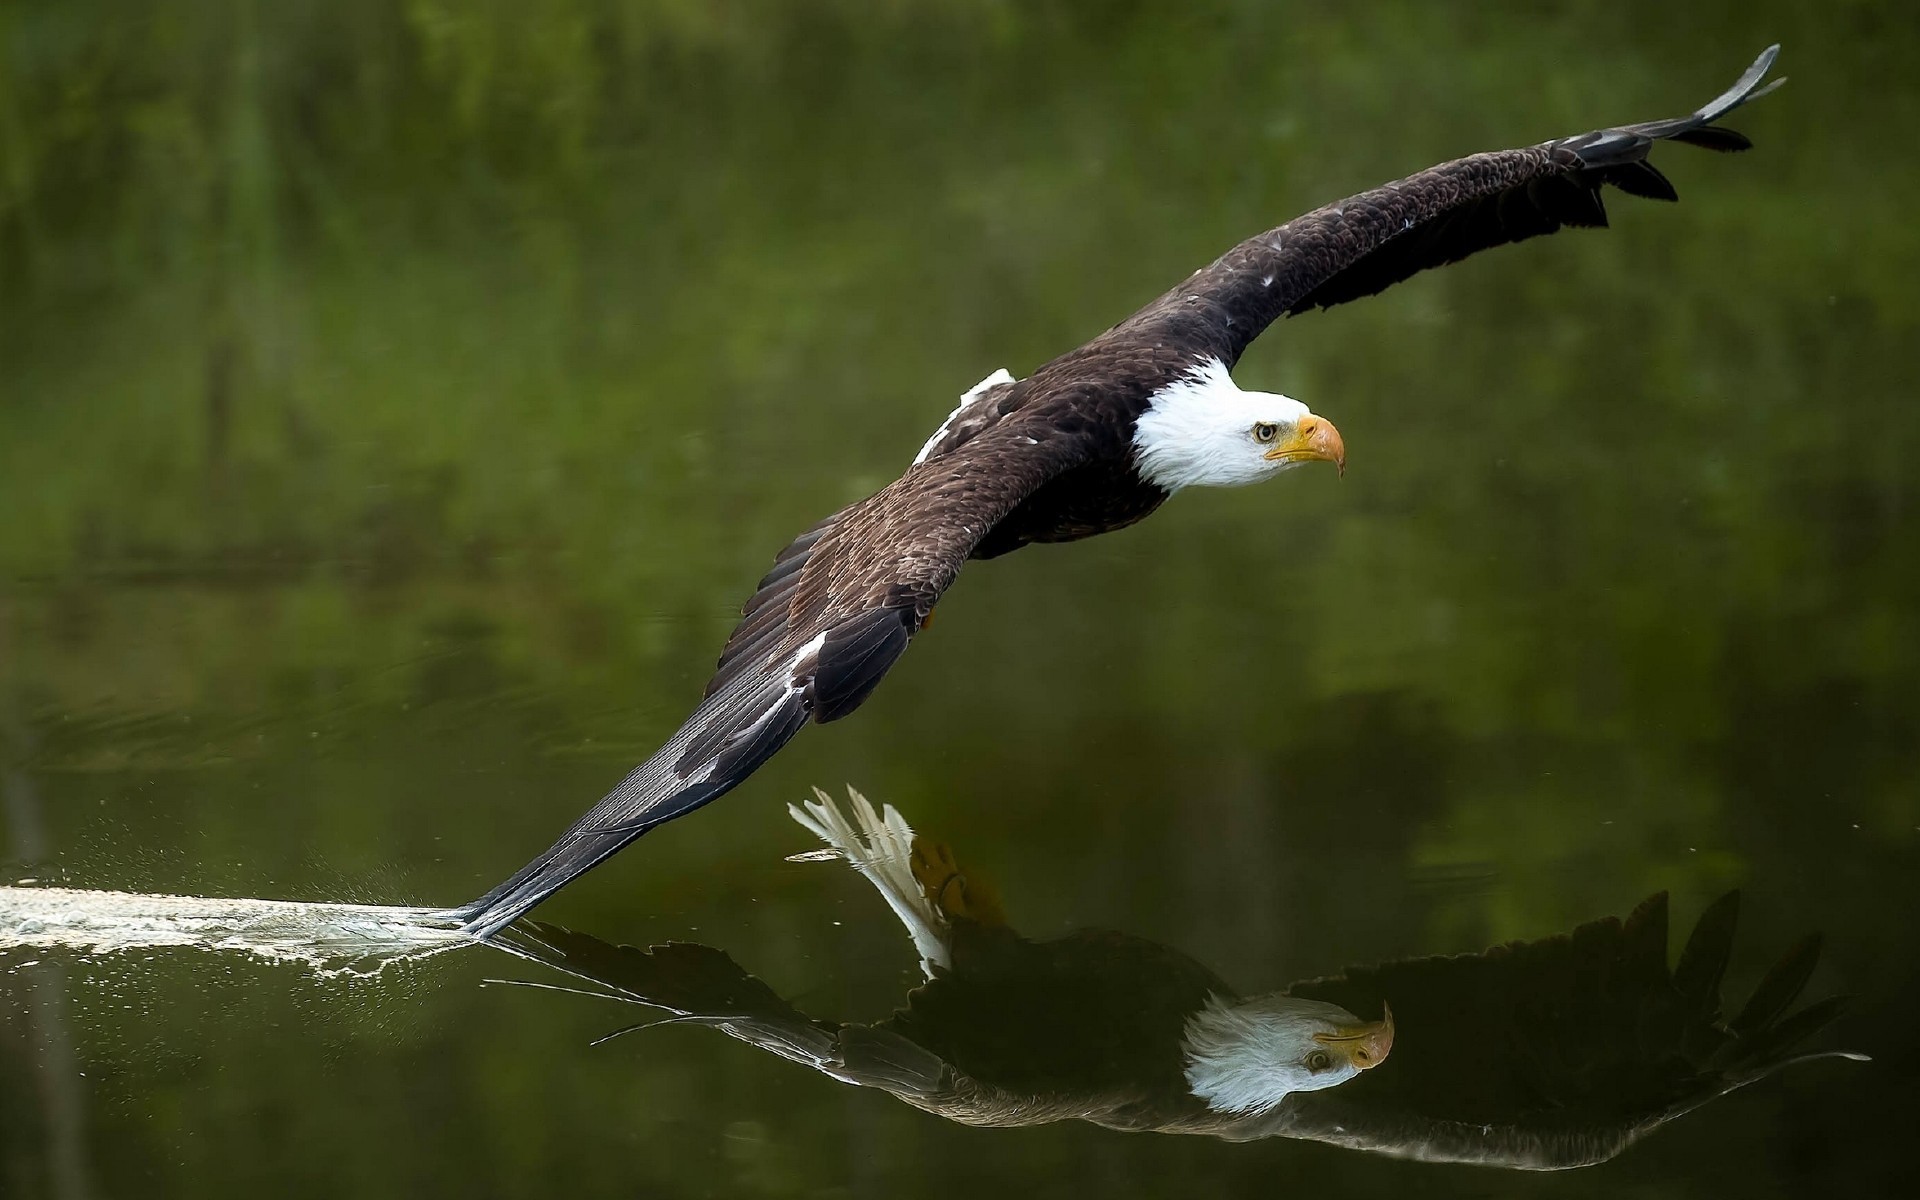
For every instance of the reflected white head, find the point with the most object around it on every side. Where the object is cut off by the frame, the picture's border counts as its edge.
(1245, 1056)
(1202, 430)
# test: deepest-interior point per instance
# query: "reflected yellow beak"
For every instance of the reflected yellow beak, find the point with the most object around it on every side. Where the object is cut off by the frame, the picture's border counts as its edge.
(1313, 438)
(1365, 1046)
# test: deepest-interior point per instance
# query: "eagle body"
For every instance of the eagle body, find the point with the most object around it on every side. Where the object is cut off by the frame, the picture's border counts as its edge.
(1100, 497)
(1104, 1013)
(1092, 441)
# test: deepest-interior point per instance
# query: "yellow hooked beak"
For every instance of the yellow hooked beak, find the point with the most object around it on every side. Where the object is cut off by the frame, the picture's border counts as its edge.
(1365, 1046)
(1313, 438)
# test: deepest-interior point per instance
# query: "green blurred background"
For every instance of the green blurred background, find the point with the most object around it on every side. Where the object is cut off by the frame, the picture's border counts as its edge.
(397, 400)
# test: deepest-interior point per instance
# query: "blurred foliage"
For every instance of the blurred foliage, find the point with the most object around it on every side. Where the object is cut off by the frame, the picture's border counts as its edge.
(396, 400)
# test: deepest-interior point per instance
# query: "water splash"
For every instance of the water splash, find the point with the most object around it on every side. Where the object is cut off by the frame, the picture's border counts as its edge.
(333, 939)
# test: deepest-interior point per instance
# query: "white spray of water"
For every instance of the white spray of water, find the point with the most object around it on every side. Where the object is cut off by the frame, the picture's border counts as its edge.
(333, 939)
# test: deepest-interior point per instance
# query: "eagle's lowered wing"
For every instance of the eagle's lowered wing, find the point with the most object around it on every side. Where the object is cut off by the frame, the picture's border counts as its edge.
(696, 984)
(1559, 1052)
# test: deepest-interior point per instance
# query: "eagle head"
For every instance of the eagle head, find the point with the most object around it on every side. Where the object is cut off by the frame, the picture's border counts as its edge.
(1202, 430)
(1247, 1055)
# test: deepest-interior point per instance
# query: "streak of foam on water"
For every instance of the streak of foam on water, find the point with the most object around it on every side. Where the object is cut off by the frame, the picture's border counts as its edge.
(333, 939)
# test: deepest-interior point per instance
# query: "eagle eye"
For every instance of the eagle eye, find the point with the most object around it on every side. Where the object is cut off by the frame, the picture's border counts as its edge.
(1265, 431)
(1318, 1061)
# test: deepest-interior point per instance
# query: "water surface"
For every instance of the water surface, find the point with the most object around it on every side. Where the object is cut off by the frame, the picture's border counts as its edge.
(396, 404)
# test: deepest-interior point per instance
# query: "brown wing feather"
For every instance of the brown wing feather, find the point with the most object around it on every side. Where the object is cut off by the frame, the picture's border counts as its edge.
(867, 577)
(763, 626)
(872, 580)
(1371, 241)
(975, 417)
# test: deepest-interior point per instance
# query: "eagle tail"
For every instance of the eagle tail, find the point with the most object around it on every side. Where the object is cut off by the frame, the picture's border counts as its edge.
(724, 741)
(879, 845)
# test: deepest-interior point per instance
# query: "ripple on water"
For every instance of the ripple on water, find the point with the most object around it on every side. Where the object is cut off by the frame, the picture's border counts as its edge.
(332, 939)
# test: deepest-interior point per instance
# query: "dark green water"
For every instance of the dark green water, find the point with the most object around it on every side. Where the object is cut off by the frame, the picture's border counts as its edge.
(395, 403)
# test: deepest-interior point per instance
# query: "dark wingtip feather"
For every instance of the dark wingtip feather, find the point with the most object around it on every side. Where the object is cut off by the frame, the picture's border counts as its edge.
(1650, 914)
(856, 655)
(1780, 988)
(1742, 91)
(1641, 179)
(1589, 212)
(1611, 147)
(1715, 137)
(1697, 975)
(1784, 1035)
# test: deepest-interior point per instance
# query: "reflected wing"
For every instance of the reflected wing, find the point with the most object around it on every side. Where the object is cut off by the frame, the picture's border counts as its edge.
(1560, 1052)
(1372, 241)
(698, 984)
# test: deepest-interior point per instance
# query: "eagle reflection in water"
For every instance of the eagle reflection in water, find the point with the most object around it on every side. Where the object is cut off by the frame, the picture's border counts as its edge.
(1535, 1055)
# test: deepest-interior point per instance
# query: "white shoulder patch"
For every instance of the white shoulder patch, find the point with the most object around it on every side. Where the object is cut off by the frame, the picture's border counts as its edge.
(973, 393)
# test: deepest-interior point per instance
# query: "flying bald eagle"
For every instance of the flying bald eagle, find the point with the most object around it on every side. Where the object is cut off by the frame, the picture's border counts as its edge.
(1090, 442)
(1534, 1055)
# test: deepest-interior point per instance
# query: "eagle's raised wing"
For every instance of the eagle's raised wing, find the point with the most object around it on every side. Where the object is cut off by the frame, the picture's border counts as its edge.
(1371, 241)
(824, 626)
(1556, 1053)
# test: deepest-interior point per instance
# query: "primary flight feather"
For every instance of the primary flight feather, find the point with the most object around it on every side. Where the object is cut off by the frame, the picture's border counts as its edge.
(1090, 442)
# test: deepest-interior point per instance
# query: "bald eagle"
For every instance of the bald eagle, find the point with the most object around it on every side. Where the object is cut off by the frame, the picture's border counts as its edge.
(1536, 1055)
(1090, 442)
